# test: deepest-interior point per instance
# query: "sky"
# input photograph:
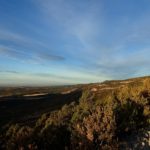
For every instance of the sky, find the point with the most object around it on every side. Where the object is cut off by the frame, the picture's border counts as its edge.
(61, 42)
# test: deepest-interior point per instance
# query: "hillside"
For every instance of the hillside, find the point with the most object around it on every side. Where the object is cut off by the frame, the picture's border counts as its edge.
(113, 115)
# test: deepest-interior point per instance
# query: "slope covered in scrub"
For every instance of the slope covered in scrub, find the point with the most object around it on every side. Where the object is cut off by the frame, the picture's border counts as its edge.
(109, 115)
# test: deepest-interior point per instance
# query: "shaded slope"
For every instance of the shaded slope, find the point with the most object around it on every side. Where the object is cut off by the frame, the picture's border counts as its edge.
(21, 109)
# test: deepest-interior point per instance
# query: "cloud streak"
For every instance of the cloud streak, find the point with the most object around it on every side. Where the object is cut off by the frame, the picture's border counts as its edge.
(50, 57)
(25, 56)
(77, 21)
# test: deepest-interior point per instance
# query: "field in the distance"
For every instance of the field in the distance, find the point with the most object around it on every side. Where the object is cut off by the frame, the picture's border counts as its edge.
(25, 105)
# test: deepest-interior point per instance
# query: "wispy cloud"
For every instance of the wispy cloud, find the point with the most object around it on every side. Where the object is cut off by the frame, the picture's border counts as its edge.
(9, 71)
(76, 20)
(20, 39)
(49, 57)
(13, 53)
(29, 57)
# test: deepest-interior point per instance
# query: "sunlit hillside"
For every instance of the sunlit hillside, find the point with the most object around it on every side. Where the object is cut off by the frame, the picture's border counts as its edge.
(110, 115)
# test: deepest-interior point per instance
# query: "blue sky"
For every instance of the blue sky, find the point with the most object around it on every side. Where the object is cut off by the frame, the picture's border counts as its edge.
(56, 42)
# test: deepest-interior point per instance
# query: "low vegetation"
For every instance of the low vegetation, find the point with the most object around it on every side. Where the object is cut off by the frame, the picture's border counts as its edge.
(103, 119)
